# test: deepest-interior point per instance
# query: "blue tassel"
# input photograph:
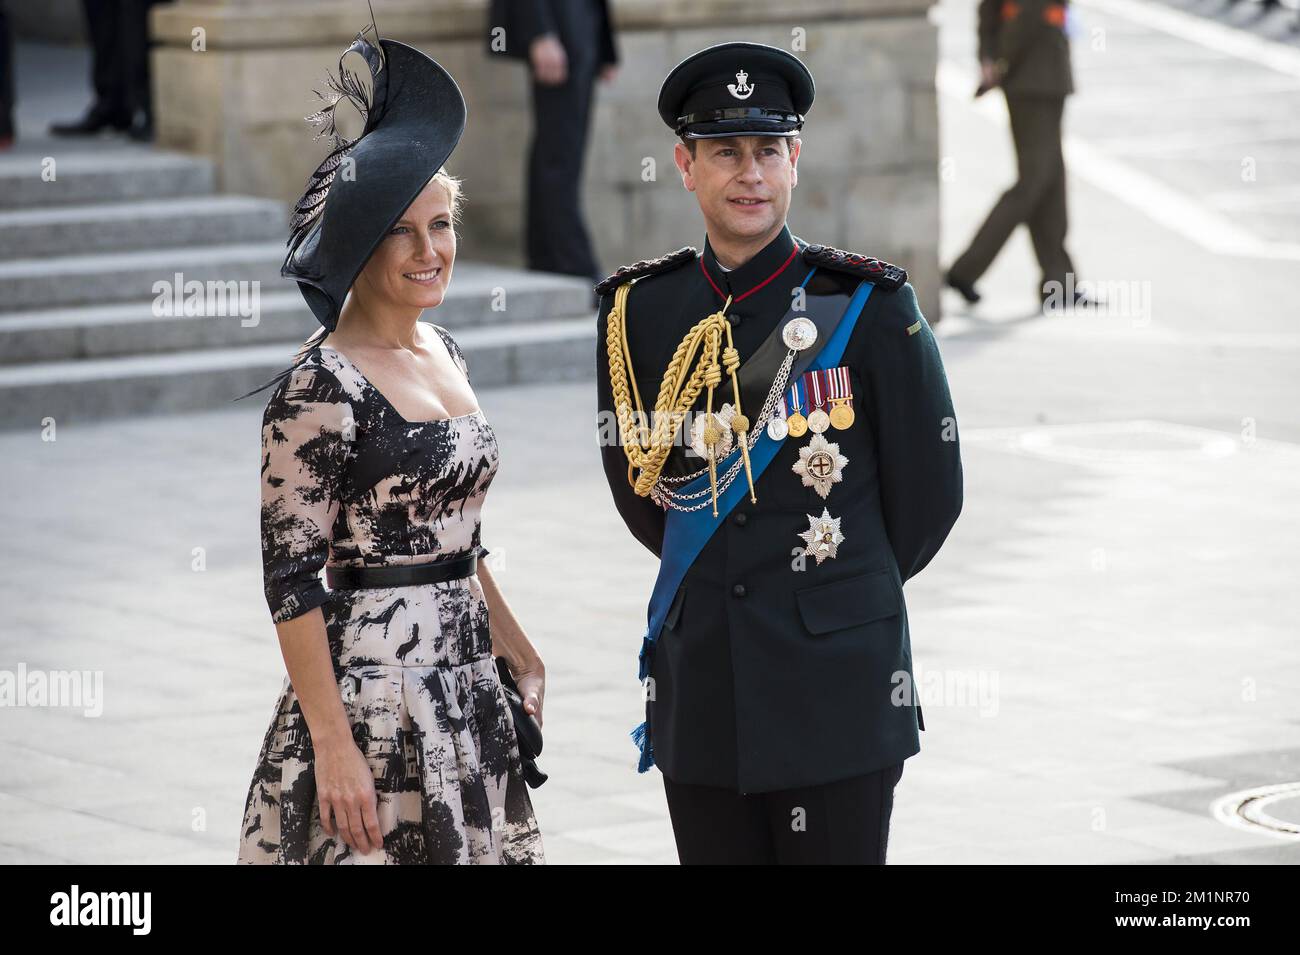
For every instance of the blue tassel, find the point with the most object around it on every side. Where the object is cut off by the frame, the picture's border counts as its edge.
(642, 741)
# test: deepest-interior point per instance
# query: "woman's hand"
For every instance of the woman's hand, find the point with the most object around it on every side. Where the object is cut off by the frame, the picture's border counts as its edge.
(531, 680)
(345, 789)
(511, 643)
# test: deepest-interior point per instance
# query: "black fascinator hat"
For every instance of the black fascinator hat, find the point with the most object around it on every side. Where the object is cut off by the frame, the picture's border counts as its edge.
(414, 116)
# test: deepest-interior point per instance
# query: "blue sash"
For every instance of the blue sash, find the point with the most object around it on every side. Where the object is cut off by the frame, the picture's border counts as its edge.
(686, 532)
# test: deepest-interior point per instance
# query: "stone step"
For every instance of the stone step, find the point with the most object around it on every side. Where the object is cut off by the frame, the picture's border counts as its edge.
(133, 328)
(139, 224)
(130, 276)
(82, 176)
(74, 392)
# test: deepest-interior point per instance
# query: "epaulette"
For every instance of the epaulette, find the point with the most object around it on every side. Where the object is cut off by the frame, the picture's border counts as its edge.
(645, 267)
(880, 272)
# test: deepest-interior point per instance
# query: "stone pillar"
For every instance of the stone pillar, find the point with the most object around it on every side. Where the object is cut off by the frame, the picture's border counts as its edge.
(868, 172)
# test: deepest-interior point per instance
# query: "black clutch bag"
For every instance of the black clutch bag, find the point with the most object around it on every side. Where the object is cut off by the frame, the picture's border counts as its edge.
(527, 730)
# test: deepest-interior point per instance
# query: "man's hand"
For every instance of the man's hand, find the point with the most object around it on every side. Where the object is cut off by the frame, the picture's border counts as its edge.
(550, 62)
(608, 72)
(990, 75)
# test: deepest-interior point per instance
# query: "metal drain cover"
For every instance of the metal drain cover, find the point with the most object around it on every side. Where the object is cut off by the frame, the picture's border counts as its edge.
(1267, 810)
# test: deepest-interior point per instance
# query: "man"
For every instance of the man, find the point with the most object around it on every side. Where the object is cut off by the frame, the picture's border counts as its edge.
(1024, 49)
(777, 657)
(7, 127)
(568, 44)
(119, 38)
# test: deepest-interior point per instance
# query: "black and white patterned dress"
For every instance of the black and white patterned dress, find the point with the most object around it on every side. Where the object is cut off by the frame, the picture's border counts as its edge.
(348, 481)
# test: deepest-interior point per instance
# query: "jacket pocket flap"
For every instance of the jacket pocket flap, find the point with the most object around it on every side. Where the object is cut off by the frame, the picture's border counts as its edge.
(848, 603)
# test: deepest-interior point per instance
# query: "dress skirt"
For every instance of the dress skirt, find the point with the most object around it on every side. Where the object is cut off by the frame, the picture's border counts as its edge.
(429, 713)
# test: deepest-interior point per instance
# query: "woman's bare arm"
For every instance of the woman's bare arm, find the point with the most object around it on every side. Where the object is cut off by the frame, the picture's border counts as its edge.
(344, 784)
(511, 643)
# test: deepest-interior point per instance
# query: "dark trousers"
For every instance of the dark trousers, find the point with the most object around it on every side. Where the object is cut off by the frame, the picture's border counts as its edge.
(839, 823)
(6, 76)
(1037, 199)
(119, 40)
(557, 239)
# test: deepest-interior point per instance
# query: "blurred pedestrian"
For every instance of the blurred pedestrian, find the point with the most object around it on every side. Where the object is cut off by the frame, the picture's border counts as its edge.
(7, 129)
(567, 44)
(1023, 48)
(119, 40)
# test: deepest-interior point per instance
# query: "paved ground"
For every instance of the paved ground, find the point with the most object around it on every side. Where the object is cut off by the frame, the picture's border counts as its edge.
(1106, 642)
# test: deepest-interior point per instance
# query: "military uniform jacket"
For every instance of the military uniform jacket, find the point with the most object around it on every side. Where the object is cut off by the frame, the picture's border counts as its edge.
(771, 672)
(1027, 39)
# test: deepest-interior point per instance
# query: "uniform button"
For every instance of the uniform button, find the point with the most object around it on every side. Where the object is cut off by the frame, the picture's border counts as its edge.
(738, 590)
(741, 518)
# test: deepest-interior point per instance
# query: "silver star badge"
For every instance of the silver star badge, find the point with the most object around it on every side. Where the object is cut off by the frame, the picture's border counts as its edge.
(823, 537)
(820, 464)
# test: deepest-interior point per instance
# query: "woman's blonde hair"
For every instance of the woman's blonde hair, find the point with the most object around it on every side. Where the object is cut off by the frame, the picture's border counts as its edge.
(454, 194)
(455, 197)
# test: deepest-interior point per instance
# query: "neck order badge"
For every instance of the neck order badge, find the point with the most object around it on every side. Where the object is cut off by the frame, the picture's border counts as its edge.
(686, 532)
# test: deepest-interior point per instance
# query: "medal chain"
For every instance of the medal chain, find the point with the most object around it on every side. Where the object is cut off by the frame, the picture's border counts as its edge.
(665, 495)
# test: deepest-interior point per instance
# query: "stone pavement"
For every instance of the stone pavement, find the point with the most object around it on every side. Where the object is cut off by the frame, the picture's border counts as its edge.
(1106, 642)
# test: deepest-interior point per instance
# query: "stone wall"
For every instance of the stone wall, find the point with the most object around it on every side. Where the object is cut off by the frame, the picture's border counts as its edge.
(869, 176)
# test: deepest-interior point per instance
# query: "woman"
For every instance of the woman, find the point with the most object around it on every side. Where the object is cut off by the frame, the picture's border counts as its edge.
(392, 740)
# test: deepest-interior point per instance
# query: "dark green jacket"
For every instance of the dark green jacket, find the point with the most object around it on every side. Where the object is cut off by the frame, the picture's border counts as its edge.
(1033, 53)
(771, 673)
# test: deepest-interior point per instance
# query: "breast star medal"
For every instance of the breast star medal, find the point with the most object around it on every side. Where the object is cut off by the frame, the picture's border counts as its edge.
(820, 464)
(823, 537)
(713, 430)
(841, 397)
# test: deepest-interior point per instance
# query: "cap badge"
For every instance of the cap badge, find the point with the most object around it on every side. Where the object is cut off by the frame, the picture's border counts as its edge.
(741, 88)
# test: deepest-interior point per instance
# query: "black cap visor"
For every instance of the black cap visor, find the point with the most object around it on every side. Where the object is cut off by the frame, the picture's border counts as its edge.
(738, 121)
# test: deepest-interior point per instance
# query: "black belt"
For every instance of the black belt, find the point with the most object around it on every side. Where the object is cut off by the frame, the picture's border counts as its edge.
(401, 575)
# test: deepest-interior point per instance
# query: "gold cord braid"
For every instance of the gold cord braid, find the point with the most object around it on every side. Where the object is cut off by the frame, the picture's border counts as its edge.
(647, 447)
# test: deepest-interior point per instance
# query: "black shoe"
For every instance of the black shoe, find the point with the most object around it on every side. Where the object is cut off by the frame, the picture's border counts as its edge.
(141, 128)
(96, 120)
(965, 289)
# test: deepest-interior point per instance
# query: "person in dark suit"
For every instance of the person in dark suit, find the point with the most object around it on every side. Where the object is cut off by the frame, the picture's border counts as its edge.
(7, 129)
(567, 44)
(119, 39)
(1023, 48)
(799, 465)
